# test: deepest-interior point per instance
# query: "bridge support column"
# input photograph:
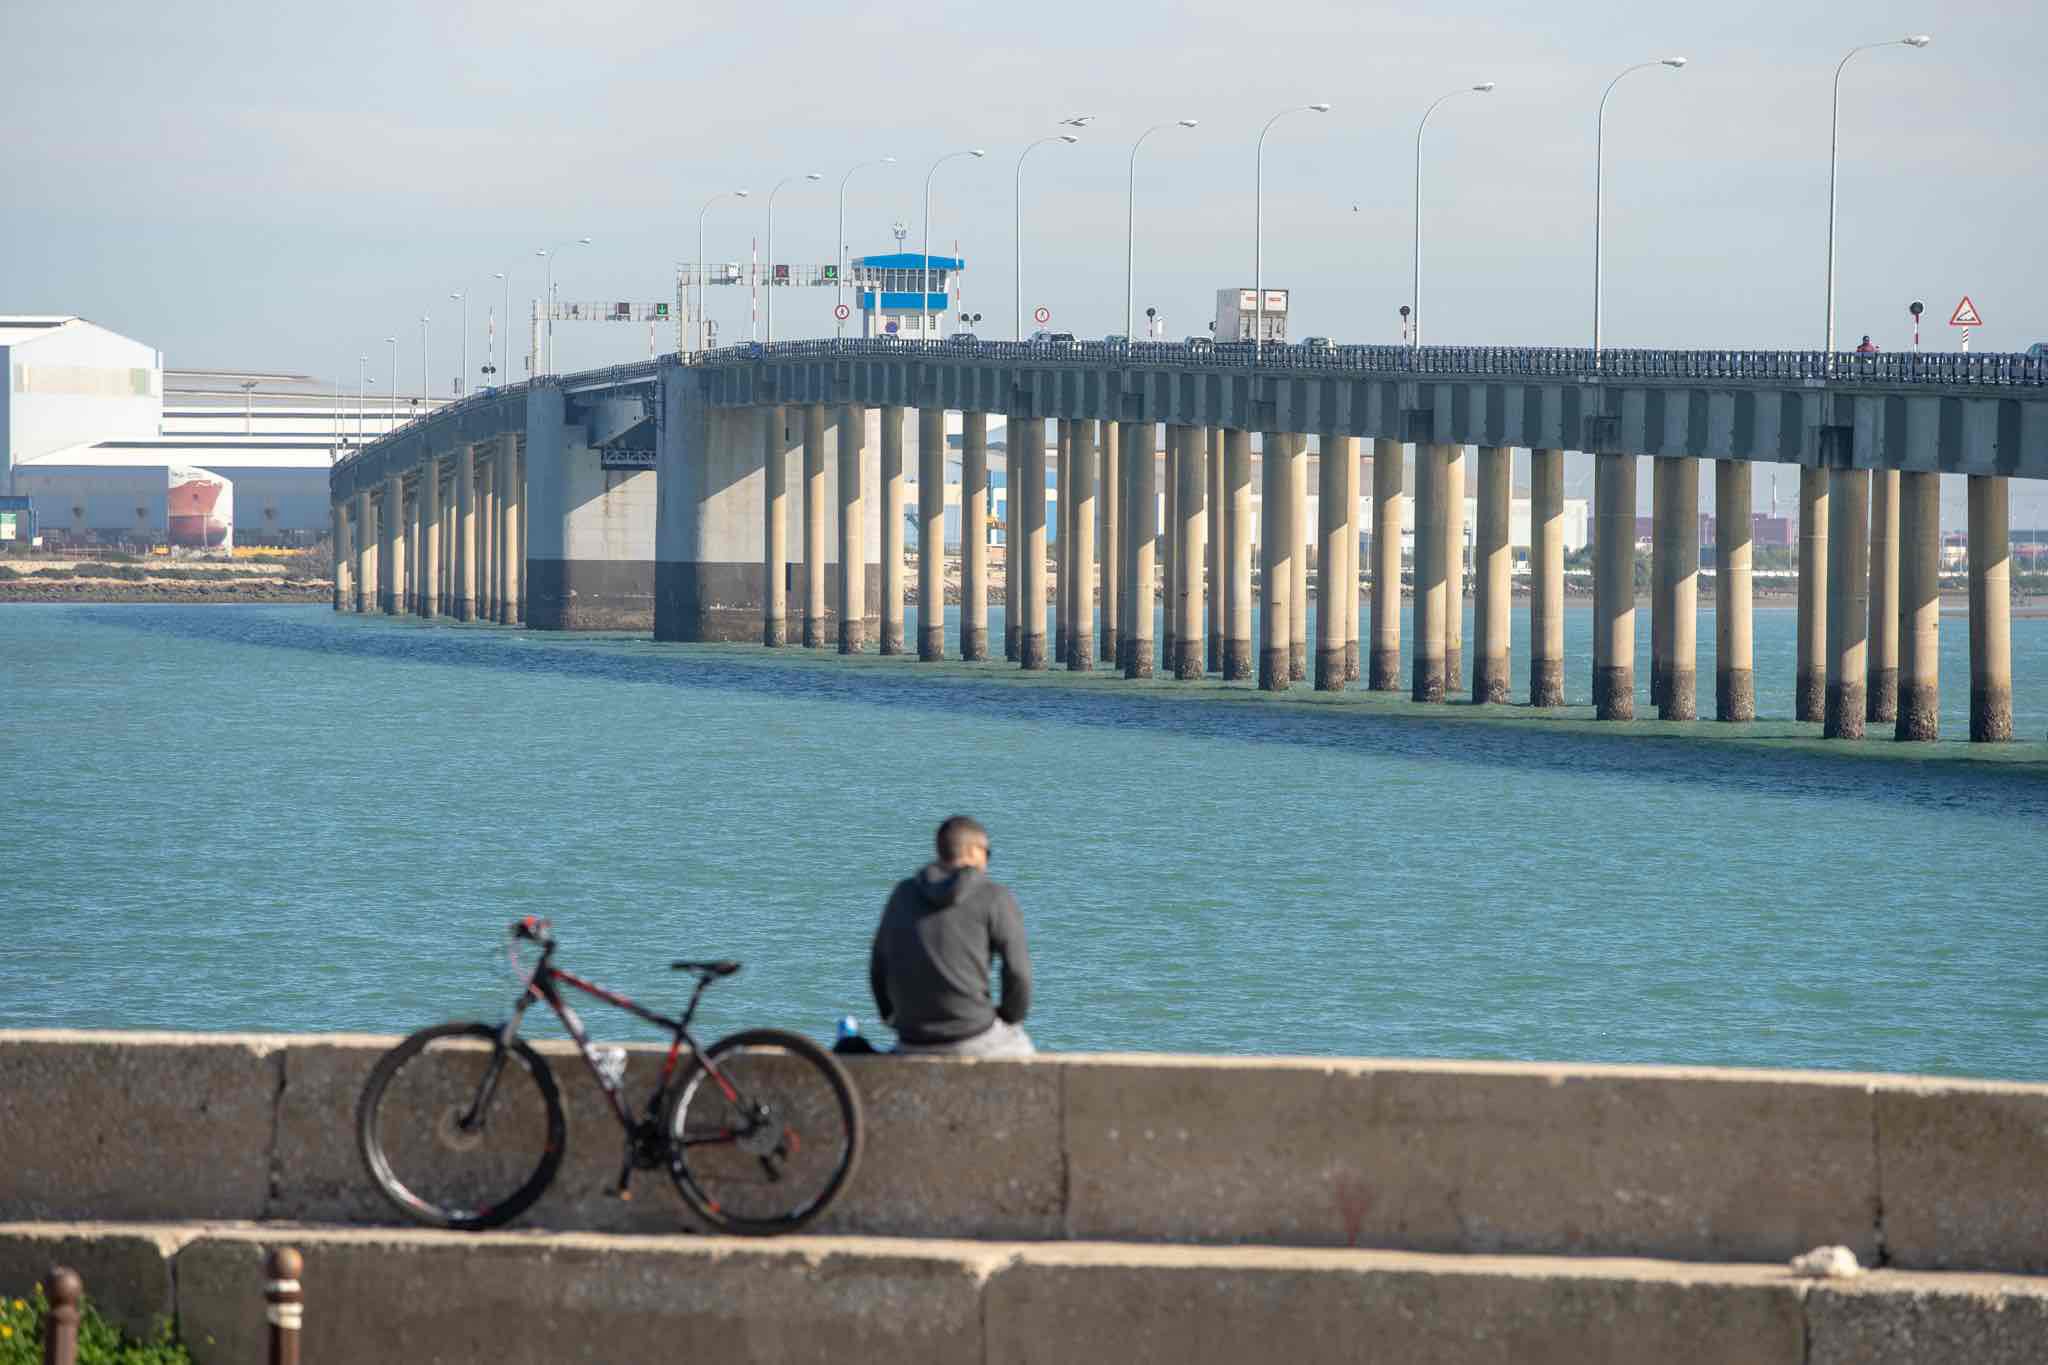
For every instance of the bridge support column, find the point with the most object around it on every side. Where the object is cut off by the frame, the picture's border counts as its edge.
(853, 586)
(1432, 567)
(1676, 563)
(511, 510)
(364, 546)
(1614, 624)
(1109, 541)
(1330, 615)
(1028, 487)
(1809, 699)
(339, 541)
(814, 526)
(1237, 555)
(1081, 554)
(1353, 481)
(890, 527)
(1454, 569)
(1304, 533)
(1546, 578)
(430, 518)
(1919, 684)
(520, 555)
(1143, 527)
(1063, 544)
(1734, 652)
(973, 536)
(391, 548)
(1990, 610)
(1383, 665)
(501, 526)
(1661, 560)
(450, 523)
(484, 521)
(1278, 544)
(1190, 505)
(931, 533)
(1014, 468)
(1492, 576)
(774, 526)
(1214, 564)
(1166, 554)
(1881, 693)
(1848, 601)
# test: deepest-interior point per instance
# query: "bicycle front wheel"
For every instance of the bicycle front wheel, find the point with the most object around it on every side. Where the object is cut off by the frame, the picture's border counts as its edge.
(764, 1132)
(459, 1132)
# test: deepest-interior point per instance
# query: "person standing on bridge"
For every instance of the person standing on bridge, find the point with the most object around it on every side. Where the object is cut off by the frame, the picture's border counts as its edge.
(940, 932)
(1866, 346)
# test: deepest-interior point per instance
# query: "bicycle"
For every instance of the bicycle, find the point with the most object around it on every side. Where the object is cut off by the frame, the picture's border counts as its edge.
(461, 1124)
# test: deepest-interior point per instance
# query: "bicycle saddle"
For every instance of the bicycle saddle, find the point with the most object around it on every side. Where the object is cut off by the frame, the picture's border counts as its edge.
(706, 969)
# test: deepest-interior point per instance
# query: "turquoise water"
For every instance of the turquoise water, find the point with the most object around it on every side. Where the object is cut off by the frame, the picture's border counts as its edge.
(277, 818)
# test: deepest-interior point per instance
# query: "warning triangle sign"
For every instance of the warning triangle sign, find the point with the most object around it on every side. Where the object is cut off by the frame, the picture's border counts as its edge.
(1965, 315)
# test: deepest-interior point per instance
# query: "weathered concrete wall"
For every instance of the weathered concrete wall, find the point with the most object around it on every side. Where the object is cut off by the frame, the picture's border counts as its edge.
(1686, 1164)
(590, 530)
(379, 1295)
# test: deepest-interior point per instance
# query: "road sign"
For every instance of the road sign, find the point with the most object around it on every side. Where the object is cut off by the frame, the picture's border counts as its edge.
(842, 312)
(1965, 315)
(1041, 315)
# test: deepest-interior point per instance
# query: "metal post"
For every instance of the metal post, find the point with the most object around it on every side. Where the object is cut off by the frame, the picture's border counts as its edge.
(283, 1303)
(1834, 143)
(1259, 224)
(65, 1291)
(1599, 172)
(1415, 293)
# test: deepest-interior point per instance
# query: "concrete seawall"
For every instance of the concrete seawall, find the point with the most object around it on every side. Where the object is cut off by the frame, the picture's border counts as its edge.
(1683, 1164)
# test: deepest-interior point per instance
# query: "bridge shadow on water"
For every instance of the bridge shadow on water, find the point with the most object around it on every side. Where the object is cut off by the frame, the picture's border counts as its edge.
(1772, 758)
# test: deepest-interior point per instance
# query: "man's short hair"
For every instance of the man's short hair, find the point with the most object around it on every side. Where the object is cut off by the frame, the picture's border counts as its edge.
(958, 834)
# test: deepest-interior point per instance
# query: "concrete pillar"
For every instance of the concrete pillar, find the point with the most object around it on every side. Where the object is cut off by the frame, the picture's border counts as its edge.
(1126, 538)
(1081, 555)
(391, 549)
(1848, 602)
(1352, 483)
(450, 525)
(1810, 685)
(814, 526)
(1014, 467)
(1383, 665)
(413, 540)
(1237, 555)
(1167, 555)
(853, 579)
(1881, 693)
(974, 536)
(1675, 560)
(1143, 526)
(1214, 563)
(1191, 533)
(1330, 615)
(1990, 610)
(774, 527)
(1276, 562)
(931, 533)
(1660, 576)
(520, 558)
(1492, 576)
(501, 534)
(1614, 551)
(1063, 542)
(1109, 540)
(486, 539)
(339, 541)
(1298, 556)
(1546, 578)
(365, 547)
(890, 526)
(511, 510)
(1734, 650)
(1029, 575)
(430, 516)
(1919, 680)
(1454, 569)
(1432, 566)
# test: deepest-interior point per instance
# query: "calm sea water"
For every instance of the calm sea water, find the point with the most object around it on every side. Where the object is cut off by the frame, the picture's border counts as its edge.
(276, 818)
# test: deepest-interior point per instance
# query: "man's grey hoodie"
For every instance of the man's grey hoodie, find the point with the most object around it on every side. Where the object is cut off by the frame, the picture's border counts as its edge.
(929, 967)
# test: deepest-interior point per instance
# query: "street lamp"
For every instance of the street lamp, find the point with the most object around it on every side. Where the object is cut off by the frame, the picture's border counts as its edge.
(924, 301)
(462, 375)
(548, 297)
(392, 342)
(491, 360)
(1599, 169)
(839, 323)
(1131, 216)
(1259, 219)
(362, 394)
(1834, 143)
(426, 385)
(722, 194)
(1017, 219)
(1415, 294)
(808, 175)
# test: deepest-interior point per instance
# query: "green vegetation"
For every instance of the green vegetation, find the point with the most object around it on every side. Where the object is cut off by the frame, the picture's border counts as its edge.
(99, 1341)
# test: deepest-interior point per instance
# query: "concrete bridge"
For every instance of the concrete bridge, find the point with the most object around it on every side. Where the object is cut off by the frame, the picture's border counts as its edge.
(659, 496)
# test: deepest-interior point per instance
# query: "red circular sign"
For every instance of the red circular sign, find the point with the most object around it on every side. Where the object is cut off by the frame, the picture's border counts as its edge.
(1041, 315)
(842, 312)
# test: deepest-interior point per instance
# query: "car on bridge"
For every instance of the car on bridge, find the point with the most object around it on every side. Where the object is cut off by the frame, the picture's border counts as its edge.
(964, 340)
(2038, 351)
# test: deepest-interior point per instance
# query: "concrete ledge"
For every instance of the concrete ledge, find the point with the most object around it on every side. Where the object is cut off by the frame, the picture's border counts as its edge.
(1687, 1164)
(379, 1295)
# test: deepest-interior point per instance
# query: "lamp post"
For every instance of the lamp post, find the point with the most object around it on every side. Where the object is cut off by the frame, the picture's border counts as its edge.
(1599, 172)
(362, 394)
(1017, 221)
(426, 385)
(548, 300)
(1415, 293)
(839, 323)
(808, 175)
(1259, 220)
(392, 342)
(462, 375)
(722, 194)
(1131, 219)
(1915, 40)
(491, 360)
(924, 300)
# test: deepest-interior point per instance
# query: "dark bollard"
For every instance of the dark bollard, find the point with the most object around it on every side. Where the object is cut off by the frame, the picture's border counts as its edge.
(283, 1304)
(65, 1291)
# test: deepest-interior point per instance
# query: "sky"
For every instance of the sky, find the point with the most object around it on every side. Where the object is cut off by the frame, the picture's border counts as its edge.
(282, 186)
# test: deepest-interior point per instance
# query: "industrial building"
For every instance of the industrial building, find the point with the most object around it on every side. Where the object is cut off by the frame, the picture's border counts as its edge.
(94, 431)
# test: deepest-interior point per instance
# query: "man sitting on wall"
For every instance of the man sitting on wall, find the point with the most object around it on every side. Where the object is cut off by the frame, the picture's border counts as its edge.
(929, 968)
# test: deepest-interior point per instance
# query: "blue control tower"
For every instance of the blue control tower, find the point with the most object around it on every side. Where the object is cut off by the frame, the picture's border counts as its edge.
(895, 293)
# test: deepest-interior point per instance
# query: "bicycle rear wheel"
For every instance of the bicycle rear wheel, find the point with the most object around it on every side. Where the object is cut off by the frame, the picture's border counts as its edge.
(766, 1143)
(410, 1125)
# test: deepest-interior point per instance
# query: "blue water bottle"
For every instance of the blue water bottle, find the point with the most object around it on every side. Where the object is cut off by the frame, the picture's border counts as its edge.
(849, 1027)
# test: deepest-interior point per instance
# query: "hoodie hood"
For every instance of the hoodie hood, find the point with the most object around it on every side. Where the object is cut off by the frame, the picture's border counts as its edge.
(940, 886)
